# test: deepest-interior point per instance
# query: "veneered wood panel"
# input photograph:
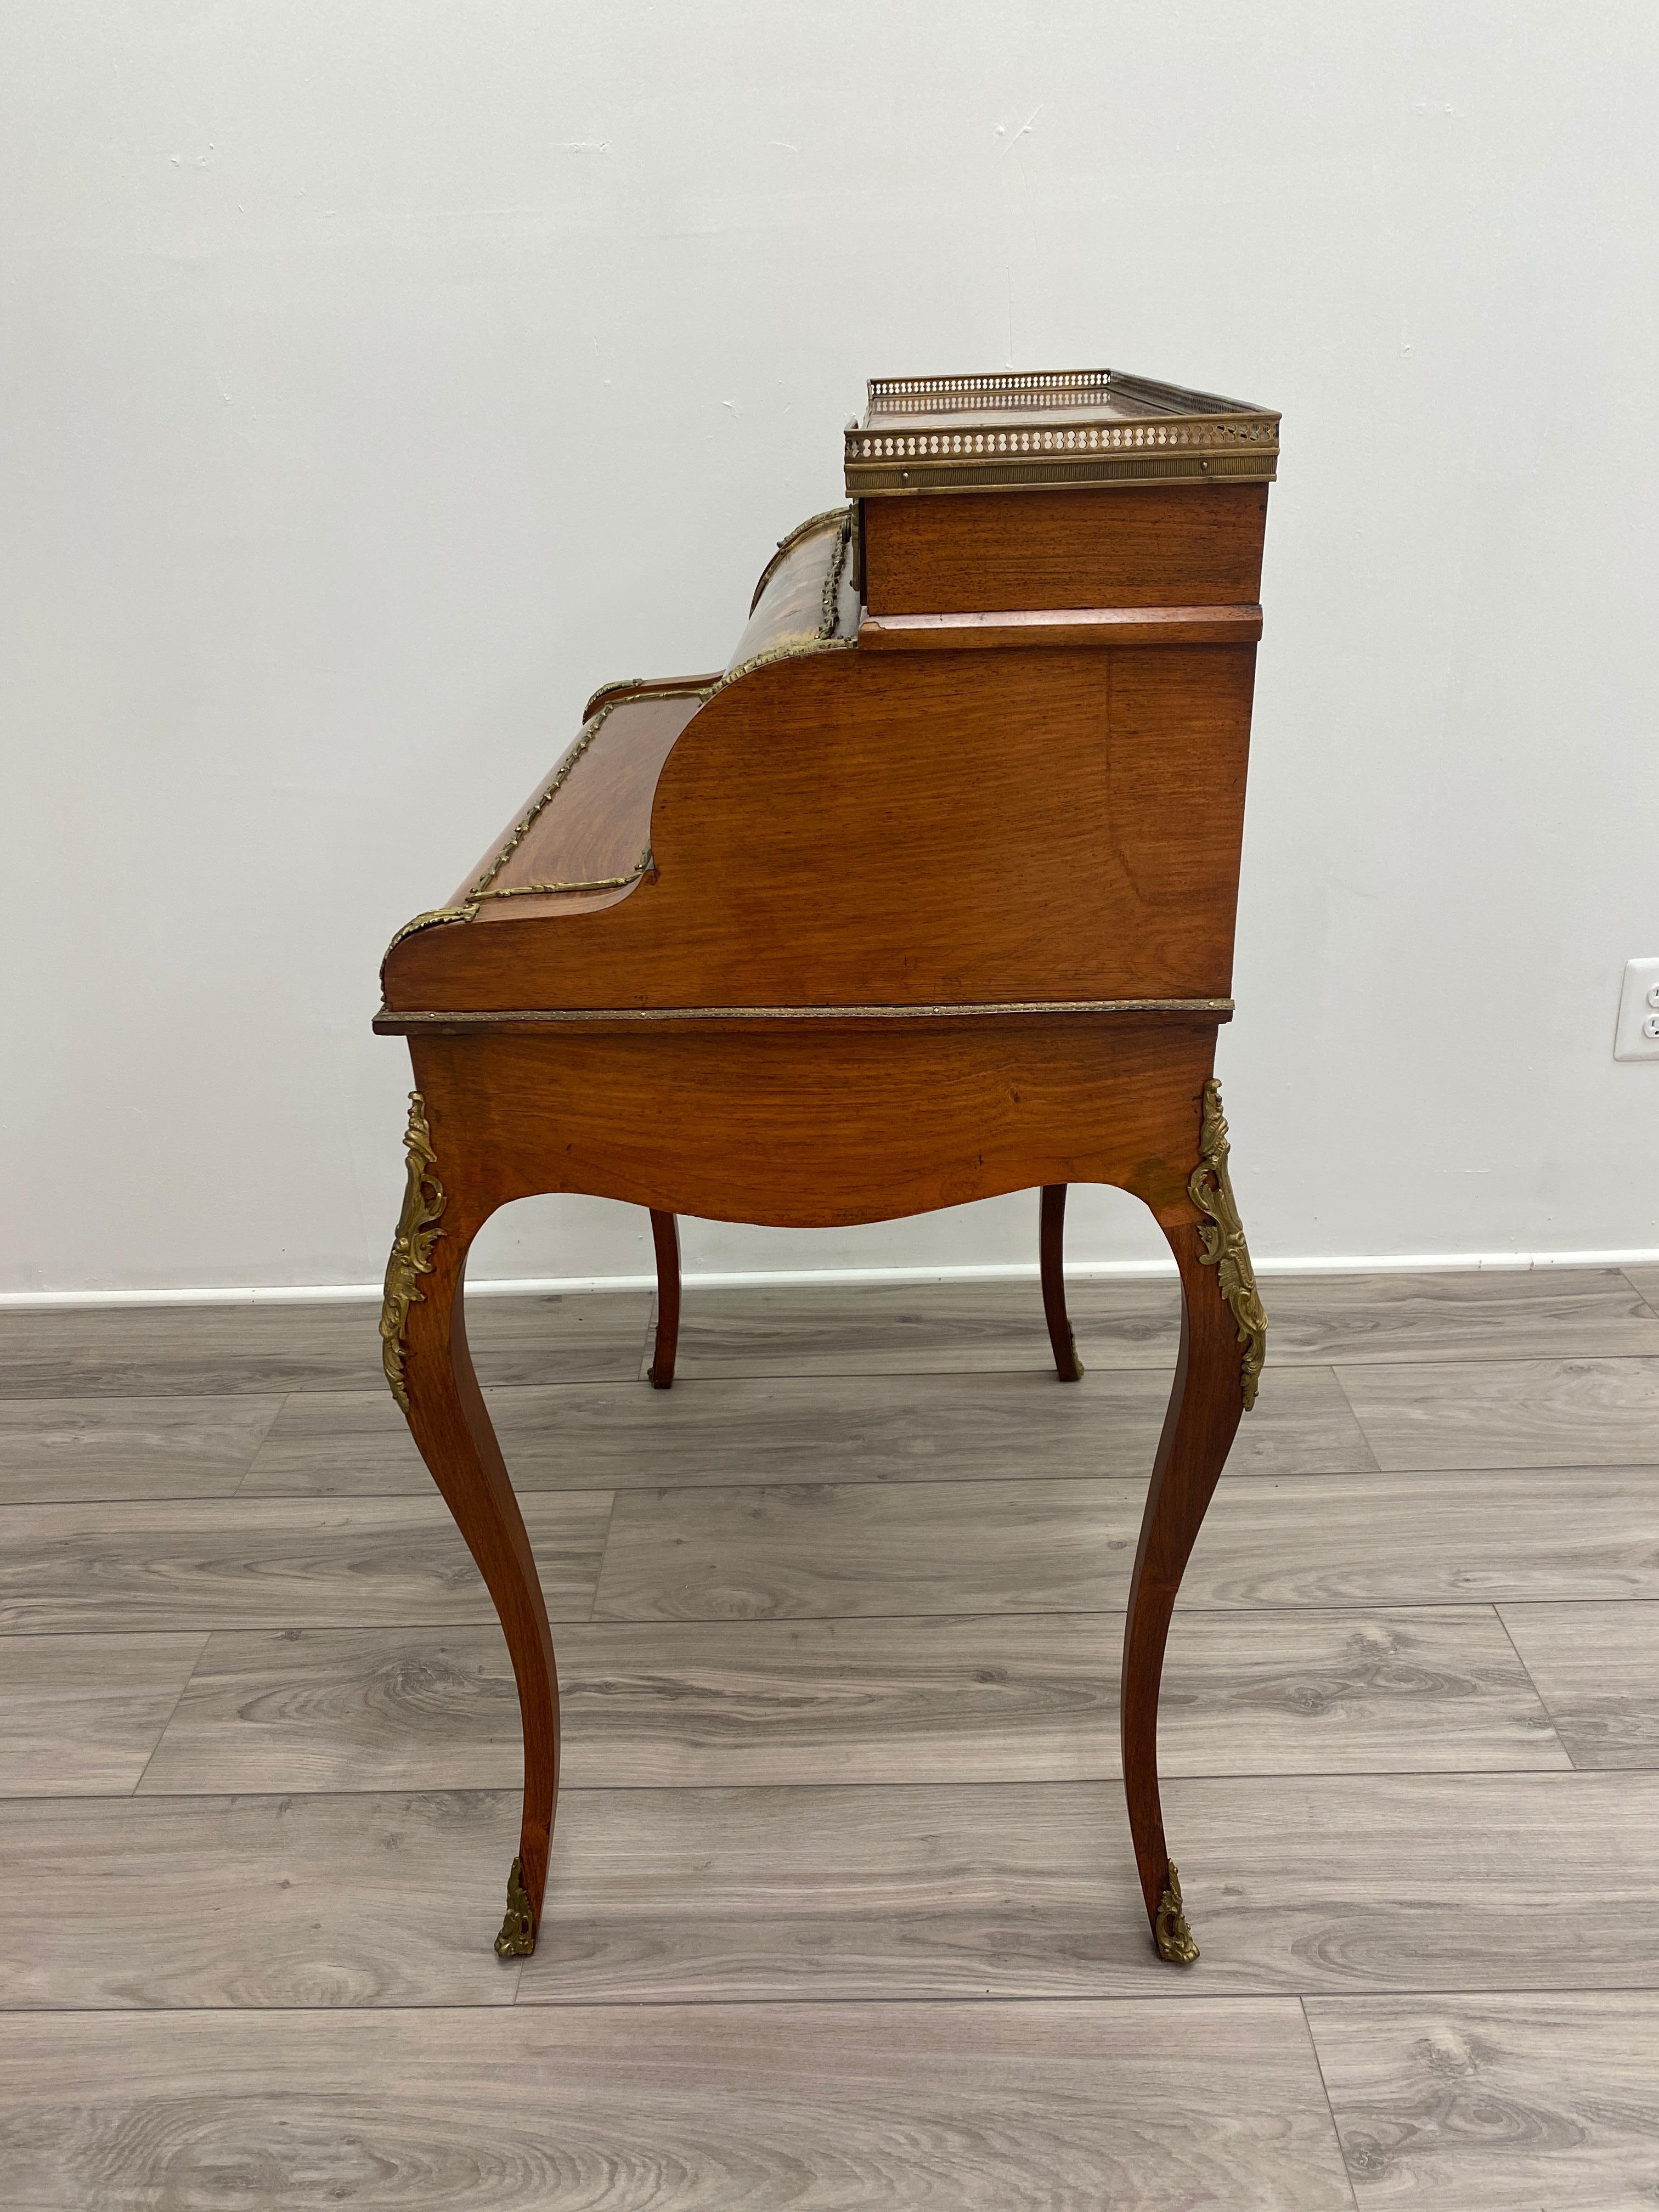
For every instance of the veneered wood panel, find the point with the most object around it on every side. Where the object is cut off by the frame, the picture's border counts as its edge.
(1119, 546)
(598, 823)
(805, 1124)
(910, 830)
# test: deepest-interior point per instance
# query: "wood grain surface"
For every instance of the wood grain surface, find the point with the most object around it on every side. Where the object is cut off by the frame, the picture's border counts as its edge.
(1319, 1320)
(1510, 1413)
(275, 1563)
(984, 2108)
(84, 1713)
(923, 1328)
(303, 1901)
(1329, 1883)
(1134, 545)
(1547, 1313)
(83, 1448)
(990, 1697)
(1038, 1546)
(1498, 2104)
(1597, 1671)
(814, 1428)
(334, 1345)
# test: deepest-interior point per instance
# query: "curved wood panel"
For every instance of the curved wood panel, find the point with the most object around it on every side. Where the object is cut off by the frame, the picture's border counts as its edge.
(851, 828)
(803, 596)
(597, 824)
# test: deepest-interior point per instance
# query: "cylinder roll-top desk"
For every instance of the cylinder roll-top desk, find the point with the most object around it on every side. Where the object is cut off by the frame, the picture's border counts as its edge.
(927, 895)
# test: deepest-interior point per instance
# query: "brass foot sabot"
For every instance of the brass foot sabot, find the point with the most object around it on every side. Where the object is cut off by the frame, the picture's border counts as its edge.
(1173, 1937)
(518, 1937)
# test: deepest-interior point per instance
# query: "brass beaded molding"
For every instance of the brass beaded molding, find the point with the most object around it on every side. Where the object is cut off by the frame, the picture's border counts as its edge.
(1122, 429)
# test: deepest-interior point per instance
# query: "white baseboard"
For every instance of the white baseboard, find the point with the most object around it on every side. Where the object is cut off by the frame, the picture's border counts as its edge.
(1085, 1271)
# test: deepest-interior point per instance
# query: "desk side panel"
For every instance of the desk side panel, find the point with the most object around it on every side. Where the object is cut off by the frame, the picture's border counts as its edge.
(899, 828)
(794, 1126)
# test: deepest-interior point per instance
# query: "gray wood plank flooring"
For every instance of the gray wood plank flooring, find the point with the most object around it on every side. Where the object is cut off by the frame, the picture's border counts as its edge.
(664, 2108)
(1596, 1667)
(1510, 1413)
(88, 1447)
(1494, 2104)
(1547, 1313)
(952, 1326)
(993, 1698)
(331, 1344)
(876, 1428)
(842, 1910)
(83, 1714)
(846, 1550)
(920, 1328)
(298, 1900)
(275, 1563)
(1294, 1885)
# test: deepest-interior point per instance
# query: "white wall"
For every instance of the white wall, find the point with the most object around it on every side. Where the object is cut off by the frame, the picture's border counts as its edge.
(377, 378)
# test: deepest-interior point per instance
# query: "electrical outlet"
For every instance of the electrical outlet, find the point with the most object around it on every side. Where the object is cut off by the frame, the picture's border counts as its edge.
(1637, 1036)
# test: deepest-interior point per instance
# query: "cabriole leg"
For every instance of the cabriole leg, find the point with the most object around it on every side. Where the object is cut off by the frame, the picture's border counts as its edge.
(665, 1236)
(429, 1369)
(1051, 1261)
(1223, 1340)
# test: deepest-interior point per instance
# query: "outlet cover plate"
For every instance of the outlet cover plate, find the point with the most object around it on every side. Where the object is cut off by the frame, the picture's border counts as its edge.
(1641, 976)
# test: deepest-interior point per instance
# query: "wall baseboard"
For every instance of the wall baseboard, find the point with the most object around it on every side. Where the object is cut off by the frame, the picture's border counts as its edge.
(1085, 1271)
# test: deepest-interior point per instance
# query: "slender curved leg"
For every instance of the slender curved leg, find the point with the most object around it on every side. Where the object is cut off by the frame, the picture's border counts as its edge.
(1223, 1340)
(1051, 1235)
(429, 1369)
(665, 1236)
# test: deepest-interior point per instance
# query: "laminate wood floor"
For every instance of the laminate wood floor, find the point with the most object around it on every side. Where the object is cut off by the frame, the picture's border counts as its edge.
(843, 1912)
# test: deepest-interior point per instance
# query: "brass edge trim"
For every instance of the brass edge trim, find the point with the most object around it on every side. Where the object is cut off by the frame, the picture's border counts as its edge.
(786, 544)
(1170, 1933)
(412, 1246)
(594, 883)
(829, 617)
(892, 479)
(635, 690)
(777, 653)
(1210, 1187)
(584, 736)
(428, 921)
(1016, 625)
(498, 1018)
(598, 696)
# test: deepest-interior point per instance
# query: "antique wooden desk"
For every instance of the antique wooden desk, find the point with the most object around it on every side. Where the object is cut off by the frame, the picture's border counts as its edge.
(927, 895)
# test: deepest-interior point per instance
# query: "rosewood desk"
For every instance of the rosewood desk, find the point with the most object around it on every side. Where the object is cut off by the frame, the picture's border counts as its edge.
(927, 895)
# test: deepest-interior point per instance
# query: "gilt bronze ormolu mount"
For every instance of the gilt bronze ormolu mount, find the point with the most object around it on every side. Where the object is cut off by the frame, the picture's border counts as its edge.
(927, 895)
